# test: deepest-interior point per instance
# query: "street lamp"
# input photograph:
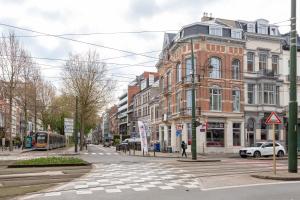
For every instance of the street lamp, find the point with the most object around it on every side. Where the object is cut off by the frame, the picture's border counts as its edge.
(194, 140)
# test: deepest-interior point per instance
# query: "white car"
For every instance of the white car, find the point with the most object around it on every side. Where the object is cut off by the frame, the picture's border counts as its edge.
(263, 149)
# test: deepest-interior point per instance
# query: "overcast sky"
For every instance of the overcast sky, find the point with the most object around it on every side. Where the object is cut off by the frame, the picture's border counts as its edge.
(90, 16)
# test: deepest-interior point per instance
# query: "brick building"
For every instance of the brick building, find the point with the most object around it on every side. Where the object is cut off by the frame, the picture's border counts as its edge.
(149, 87)
(218, 52)
(113, 120)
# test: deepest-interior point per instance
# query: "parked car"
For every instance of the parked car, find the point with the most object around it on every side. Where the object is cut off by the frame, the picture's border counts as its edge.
(263, 149)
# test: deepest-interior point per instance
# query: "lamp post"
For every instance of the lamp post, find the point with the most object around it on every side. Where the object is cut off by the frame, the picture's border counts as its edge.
(194, 144)
(293, 106)
(194, 139)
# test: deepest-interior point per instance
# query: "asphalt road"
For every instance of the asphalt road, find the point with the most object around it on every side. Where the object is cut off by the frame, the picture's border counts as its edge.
(117, 176)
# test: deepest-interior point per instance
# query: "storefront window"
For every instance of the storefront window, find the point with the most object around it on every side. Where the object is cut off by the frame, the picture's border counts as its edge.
(215, 134)
(236, 130)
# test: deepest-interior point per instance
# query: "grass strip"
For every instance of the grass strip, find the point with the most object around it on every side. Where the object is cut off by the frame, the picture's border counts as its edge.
(50, 161)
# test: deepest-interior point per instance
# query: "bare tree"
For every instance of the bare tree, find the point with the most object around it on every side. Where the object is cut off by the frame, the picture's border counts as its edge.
(13, 58)
(24, 90)
(46, 95)
(87, 78)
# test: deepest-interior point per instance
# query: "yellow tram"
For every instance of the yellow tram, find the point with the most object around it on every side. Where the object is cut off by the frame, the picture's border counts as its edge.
(47, 140)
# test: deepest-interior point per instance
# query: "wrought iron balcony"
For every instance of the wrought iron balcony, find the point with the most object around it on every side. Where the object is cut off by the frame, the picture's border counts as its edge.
(188, 79)
(188, 111)
(267, 73)
(167, 90)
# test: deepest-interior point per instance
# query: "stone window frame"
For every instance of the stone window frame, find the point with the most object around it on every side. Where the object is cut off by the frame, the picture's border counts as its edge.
(236, 69)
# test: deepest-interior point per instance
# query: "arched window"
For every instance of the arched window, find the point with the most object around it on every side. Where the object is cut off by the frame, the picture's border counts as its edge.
(215, 64)
(236, 96)
(215, 98)
(235, 69)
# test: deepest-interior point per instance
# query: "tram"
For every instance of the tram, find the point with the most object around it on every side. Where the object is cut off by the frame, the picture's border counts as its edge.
(47, 140)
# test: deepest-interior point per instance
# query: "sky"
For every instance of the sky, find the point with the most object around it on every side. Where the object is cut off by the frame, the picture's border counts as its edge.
(113, 18)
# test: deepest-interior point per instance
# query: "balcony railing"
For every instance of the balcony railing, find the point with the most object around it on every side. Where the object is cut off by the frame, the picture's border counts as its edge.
(188, 111)
(167, 90)
(267, 73)
(188, 79)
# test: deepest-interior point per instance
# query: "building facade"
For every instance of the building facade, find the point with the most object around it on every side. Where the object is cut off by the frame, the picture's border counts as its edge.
(218, 60)
(263, 81)
(148, 88)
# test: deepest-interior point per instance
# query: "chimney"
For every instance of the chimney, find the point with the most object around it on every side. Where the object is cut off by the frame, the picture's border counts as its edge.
(205, 17)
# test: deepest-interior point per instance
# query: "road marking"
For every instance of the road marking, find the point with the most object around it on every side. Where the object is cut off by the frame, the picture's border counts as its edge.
(108, 153)
(112, 190)
(83, 192)
(148, 185)
(51, 194)
(97, 188)
(92, 183)
(94, 153)
(250, 185)
(123, 187)
(100, 153)
(166, 188)
(80, 186)
(140, 189)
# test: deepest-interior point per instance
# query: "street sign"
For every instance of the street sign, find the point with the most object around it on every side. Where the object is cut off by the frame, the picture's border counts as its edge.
(68, 126)
(273, 119)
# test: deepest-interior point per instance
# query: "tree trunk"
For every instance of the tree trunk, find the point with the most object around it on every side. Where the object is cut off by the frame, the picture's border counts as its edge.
(81, 131)
(10, 121)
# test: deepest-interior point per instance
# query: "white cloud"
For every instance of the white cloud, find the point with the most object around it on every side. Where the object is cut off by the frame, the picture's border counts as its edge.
(69, 16)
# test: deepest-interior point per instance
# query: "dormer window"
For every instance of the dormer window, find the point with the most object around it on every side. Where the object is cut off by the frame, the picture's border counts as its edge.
(236, 34)
(251, 27)
(215, 30)
(273, 30)
(262, 26)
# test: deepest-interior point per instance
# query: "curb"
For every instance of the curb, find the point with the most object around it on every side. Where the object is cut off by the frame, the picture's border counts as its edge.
(202, 160)
(278, 178)
(153, 156)
(54, 165)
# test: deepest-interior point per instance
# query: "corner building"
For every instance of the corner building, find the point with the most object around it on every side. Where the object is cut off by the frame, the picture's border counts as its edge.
(218, 47)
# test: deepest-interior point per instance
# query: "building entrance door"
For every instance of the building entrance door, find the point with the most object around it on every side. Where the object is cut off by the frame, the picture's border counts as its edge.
(250, 141)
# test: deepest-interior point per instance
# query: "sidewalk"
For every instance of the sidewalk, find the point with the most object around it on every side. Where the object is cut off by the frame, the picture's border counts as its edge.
(178, 155)
(281, 175)
(14, 152)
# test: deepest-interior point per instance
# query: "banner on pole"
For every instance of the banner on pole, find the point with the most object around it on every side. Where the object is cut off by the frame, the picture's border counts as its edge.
(143, 136)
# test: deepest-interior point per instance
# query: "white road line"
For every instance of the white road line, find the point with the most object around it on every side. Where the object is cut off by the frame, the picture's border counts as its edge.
(100, 153)
(80, 186)
(166, 188)
(112, 190)
(250, 185)
(51, 194)
(108, 153)
(97, 188)
(140, 189)
(94, 153)
(83, 192)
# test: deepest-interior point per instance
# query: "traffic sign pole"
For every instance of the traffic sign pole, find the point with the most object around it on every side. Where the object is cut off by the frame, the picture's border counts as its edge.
(272, 120)
(274, 156)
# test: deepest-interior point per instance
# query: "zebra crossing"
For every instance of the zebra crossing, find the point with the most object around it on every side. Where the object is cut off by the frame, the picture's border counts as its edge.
(101, 154)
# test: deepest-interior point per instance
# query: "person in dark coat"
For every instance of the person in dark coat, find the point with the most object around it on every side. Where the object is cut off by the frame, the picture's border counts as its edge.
(184, 147)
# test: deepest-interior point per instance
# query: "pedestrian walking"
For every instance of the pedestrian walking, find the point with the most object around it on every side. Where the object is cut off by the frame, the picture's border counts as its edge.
(184, 147)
